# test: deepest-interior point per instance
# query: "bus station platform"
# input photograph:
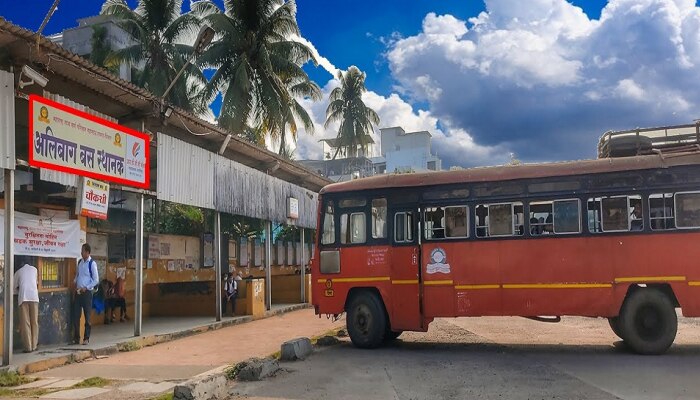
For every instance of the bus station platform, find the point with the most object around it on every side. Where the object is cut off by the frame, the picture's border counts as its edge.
(119, 337)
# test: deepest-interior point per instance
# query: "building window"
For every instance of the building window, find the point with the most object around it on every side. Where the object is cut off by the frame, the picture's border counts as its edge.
(661, 211)
(688, 210)
(379, 218)
(355, 232)
(52, 273)
(328, 236)
(505, 219)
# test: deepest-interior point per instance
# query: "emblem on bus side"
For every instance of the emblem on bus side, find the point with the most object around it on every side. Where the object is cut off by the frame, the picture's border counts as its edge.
(438, 262)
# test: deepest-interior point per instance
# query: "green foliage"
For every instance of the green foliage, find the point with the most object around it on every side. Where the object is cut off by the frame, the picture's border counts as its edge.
(8, 379)
(95, 381)
(346, 106)
(101, 50)
(258, 68)
(163, 37)
(236, 227)
(164, 396)
(177, 219)
(129, 346)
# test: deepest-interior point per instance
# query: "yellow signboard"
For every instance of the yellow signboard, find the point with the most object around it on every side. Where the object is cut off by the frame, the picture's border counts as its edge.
(69, 140)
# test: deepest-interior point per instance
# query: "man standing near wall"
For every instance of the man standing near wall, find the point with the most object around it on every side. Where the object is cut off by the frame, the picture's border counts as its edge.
(28, 301)
(86, 280)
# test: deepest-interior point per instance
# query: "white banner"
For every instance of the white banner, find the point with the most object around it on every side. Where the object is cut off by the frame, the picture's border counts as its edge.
(94, 199)
(43, 237)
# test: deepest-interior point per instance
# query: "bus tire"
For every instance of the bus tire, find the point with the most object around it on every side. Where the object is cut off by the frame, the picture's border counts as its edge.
(366, 321)
(615, 326)
(648, 321)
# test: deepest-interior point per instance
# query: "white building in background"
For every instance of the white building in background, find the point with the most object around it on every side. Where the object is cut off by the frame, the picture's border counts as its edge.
(406, 152)
(78, 40)
(401, 152)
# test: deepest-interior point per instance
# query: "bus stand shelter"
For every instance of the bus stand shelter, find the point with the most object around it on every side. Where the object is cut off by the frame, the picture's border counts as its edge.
(192, 162)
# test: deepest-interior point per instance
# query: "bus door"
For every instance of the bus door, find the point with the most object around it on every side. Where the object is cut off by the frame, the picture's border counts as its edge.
(405, 271)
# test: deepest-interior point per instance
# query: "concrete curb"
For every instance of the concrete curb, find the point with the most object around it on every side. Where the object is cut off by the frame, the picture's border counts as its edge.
(209, 385)
(144, 341)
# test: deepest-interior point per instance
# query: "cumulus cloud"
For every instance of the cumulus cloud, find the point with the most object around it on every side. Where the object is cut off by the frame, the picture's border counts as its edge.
(541, 79)
(448, 143)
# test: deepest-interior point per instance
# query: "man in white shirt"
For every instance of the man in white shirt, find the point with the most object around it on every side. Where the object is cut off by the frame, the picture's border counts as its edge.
(86, 279)
(230, 293)
(27, 288)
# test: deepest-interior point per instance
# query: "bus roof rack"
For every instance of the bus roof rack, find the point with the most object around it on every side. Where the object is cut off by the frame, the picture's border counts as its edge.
(644, 141)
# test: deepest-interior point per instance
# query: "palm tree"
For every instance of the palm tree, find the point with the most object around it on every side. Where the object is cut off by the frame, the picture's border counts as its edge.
(258, 66)
(298, 87)
(160, 30)
(102, 50)
(346, 106)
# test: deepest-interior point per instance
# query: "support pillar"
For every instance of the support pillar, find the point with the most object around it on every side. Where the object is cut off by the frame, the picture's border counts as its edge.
(217, 265)
(268, 266)
(138, 265)
(8, 272)
(303, 268)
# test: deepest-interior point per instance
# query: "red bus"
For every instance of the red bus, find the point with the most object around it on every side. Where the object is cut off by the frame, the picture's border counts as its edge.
(614, 238)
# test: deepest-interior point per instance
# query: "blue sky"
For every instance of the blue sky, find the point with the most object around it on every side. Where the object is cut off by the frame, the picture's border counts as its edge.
(540, 78)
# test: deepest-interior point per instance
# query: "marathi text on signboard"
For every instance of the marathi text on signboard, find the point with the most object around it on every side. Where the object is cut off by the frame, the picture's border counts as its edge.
(44, 237)
(69, 140)
(94, 199)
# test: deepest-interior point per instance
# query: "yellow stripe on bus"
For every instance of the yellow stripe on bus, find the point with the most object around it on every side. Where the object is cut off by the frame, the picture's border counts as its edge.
(365, 279)
(650, 279)
(437, 283)
(557, 286)
(694, 283)
(405, 282)
(474, 287)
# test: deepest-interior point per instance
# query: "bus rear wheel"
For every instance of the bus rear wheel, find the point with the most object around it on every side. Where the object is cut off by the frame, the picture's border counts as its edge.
(615, 326)
(648, 321)
(366, 321)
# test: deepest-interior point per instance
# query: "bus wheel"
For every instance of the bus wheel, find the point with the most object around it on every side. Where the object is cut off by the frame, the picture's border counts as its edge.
(366, 321)
(615, 326)
(648, 321)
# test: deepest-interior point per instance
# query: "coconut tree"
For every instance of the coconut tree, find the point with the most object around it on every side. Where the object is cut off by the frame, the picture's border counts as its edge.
(162, 42)
(346, 106)
(258, 66)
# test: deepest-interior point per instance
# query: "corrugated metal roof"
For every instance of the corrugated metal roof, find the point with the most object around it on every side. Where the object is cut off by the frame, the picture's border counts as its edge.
(7, 120)
(185, 173)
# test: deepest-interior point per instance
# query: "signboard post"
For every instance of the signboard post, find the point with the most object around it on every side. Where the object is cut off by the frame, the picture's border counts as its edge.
(64, 139)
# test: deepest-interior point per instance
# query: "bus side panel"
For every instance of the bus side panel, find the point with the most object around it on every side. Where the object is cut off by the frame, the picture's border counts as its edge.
(672, 257)
(475, 274)
(556, 276)
(404, 305)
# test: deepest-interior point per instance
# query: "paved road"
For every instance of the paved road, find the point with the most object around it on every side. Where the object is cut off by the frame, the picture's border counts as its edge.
(494, 358)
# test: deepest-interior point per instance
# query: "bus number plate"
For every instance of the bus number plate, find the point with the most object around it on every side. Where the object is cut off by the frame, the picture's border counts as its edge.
(329, 293)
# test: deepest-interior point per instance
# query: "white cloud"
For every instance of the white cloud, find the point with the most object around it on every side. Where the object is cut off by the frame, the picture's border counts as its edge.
(542, 79)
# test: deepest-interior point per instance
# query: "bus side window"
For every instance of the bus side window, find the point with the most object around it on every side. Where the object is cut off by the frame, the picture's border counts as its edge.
(355, 232)
(615, 212)
(594, 220)
(504, 219)
(456, 222)
(434, 220)
(379, 218)
(687, 210)
(661, 211)
(541, 218)
(328, 236)
(403, 227)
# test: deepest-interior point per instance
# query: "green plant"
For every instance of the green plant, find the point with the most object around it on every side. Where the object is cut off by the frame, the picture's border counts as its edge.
(164, 396)
(8, 379)
(129, 346)
(95, 381)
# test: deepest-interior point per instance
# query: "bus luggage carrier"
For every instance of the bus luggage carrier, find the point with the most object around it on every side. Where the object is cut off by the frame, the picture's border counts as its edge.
(641, 141)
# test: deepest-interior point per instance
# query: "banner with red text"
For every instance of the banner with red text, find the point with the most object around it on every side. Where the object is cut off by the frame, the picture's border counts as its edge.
(43, 237)
(94, 199)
